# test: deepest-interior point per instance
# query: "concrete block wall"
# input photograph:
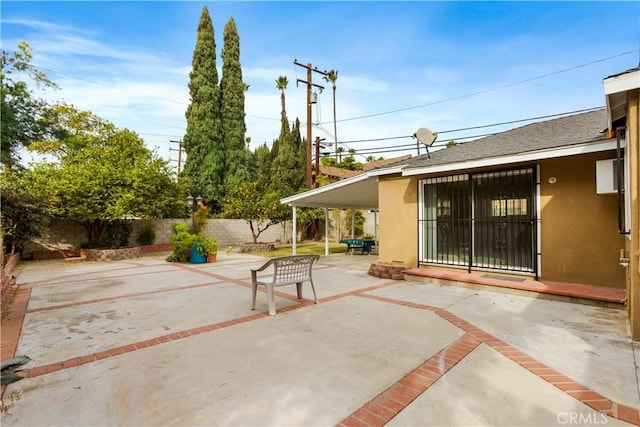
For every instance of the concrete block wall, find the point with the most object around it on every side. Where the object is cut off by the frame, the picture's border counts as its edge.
(64, 235)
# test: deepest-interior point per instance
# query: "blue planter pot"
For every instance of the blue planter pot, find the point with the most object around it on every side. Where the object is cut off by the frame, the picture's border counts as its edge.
(196, 257)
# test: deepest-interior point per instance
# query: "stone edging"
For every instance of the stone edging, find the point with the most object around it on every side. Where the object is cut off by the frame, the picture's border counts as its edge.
(394, 271)
(113, 254)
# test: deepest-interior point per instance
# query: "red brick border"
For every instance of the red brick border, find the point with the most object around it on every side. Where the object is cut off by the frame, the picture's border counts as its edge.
(562, 382)
(383, 407)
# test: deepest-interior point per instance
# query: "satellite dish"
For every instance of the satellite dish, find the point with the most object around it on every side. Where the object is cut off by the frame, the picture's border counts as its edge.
(425, 136)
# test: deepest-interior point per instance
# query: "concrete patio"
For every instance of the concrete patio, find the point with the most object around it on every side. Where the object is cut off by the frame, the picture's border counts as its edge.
(146, 342)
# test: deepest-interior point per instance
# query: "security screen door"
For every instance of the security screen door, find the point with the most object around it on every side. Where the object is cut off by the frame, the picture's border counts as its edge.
(482, 220)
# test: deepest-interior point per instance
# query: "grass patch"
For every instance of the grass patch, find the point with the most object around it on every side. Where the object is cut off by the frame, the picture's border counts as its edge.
(305, 249)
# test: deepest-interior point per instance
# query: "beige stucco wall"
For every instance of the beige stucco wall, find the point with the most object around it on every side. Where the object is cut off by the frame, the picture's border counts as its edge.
(580, 241)
(398, 220)
(579, 228)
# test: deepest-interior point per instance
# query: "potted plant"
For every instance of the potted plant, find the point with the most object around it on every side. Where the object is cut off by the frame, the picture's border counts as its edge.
(206, 247)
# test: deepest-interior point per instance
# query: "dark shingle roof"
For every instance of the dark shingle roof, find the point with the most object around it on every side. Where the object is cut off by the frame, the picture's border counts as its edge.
(563, 132)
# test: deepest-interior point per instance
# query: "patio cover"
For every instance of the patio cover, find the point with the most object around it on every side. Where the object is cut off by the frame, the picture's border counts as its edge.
(357, 192)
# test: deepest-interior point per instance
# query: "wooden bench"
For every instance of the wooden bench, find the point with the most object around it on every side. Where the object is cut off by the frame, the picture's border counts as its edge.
(288, 270)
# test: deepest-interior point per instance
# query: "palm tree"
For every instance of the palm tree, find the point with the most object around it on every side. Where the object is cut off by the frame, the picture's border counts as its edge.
(332, 76)
(281, 84)
(340, 150)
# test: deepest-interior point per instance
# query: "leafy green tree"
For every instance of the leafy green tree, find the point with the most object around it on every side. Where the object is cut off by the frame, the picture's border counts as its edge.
(21, 114)
(259, 209)
(328, 161)
(205, 164)
(232, 110)
(359, 222)
(350, 163)
(24, 214)
(101, 174)
(332, 76)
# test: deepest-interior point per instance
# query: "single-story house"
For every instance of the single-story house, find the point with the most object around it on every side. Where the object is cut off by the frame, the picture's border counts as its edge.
(541, 200)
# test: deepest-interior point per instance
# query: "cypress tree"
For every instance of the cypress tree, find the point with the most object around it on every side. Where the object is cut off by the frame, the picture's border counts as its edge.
(288, 173)
(232, 110)
(262, 167)
(205, 154)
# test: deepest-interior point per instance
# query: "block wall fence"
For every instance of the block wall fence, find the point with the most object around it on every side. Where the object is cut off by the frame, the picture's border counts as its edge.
(65, 235)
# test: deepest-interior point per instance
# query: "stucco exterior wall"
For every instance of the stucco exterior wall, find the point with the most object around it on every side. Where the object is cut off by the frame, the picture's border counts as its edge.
(579, 229)
(398, 220)
(580, 241)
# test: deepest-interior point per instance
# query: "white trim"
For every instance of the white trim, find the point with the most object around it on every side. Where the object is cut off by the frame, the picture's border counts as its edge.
(609, 144)
(622, 83)
(325, 188)
(385, 171)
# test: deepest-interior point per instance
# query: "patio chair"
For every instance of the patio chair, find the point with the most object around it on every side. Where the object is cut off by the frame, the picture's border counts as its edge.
(288, 270)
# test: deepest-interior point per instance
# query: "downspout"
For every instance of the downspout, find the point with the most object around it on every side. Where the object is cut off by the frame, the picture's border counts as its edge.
(620, 180)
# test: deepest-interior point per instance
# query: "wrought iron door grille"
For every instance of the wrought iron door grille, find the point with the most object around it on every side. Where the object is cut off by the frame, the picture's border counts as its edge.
(482, 220)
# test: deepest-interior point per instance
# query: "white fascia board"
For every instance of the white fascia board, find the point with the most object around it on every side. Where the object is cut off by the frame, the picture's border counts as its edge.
(622, 83)
(609, 144)
(324, 188)
(385, 171)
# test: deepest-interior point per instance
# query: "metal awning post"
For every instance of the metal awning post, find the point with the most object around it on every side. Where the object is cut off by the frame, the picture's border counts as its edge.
(326, 231)
(375, 227)
(353, 223)
(295, 230)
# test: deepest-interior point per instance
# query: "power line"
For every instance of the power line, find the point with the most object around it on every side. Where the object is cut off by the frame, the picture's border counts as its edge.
(491, 89)
(480, 126)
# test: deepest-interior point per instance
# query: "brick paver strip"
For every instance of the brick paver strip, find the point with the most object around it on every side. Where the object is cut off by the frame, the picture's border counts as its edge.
(382, 408)
(566, 384)
(376, 412)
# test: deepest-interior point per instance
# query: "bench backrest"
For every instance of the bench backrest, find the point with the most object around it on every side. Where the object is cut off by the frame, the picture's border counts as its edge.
(293, 269)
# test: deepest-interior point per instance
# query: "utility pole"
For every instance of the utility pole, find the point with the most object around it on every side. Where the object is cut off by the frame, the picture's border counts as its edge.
(309, 84)
(179, 150)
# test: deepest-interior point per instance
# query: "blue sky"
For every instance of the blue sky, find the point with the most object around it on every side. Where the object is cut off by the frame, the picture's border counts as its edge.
(402, 65)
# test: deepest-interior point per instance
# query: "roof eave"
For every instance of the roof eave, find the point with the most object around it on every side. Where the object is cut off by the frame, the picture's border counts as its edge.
(592, 147)
(615, 91)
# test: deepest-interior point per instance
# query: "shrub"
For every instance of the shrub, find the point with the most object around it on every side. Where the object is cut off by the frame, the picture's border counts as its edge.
(200, 218)
(182, 242)
(117, 233)
(147, 235)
